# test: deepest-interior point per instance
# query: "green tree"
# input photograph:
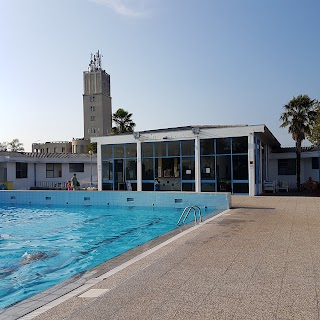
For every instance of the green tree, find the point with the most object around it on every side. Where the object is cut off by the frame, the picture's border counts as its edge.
(92, 147)
(123, 121)
(15, 146)
(314, 136)
(3, 146)
(299, 116)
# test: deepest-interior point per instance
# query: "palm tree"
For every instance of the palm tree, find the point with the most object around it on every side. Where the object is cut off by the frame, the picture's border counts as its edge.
(123, 121)
(299, 116)
(314, 136)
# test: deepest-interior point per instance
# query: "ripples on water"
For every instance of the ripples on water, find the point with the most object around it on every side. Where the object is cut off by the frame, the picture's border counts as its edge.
(73, 239)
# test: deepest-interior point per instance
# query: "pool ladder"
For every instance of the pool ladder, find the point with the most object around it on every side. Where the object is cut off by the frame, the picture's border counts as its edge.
(186, 212)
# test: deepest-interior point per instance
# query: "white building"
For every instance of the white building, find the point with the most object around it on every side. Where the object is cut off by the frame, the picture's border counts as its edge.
(29, 170)
(282, 165)
(231, 158)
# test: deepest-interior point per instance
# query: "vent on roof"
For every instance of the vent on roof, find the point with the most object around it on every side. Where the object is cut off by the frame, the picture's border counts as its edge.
(48, 198)
(177, 200)
(130, 199)
(86, 198)
(12, 197)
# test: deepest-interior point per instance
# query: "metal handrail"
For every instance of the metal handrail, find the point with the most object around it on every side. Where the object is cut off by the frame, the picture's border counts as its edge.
(186, 211)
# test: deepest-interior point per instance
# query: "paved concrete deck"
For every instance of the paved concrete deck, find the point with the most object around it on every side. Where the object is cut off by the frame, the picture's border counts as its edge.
(259, 260)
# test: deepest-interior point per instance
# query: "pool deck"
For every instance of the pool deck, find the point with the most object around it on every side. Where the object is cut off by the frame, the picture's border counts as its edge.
(259, 260)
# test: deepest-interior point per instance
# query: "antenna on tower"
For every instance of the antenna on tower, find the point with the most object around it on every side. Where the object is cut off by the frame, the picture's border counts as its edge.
(95, 62)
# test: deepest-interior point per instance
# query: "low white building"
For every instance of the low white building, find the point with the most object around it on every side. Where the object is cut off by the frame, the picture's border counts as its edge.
(232, 158)
(282, 165)
(31, 170)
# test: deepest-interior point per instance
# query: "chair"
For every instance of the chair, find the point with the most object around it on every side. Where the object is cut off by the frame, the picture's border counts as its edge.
(269, 186)
(283, 186)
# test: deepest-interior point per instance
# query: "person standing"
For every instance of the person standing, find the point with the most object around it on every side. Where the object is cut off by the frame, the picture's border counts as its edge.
(74, 182)
(69, 187)
(156, 184)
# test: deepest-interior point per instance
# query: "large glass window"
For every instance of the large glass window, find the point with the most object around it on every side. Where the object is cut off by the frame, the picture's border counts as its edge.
(76, 167)
(315, 163)
(160, 149)
(107, 170)
(223, 145)
(208, 187)
(147, 149)
(223, 167)
(131, 169)
(240, 167)
(21, 170)
(207, 146)
(224, 173)
(241, 188)
(53, 170)
(240, 145)
(147, 169)
(207, 168)
(187, 148)
(106, 151)
(286, 167)
(188, 168)
(189, 186)
(131, 150)
(119, 151)
(174, 148)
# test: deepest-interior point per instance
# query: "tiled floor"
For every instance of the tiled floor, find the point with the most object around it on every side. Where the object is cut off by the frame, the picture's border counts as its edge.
(260, 260)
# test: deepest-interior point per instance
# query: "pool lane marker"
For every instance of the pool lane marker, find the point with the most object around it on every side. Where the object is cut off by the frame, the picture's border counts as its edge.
(91, 282)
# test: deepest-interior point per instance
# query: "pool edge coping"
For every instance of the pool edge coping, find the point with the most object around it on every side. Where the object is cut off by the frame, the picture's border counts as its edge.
(43, 301)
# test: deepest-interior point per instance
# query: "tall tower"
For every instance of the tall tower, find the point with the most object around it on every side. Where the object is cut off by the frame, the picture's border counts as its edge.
(97, 110)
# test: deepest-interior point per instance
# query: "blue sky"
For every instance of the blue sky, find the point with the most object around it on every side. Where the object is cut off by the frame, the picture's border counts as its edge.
(171, 62)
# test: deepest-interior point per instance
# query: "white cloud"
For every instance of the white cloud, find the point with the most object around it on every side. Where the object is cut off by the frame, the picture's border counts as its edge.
(131, 8)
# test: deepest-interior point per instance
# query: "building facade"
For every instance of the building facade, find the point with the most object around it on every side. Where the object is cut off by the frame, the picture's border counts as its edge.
(200, 158)
(282, 165)
(97, 110)
(29, 170)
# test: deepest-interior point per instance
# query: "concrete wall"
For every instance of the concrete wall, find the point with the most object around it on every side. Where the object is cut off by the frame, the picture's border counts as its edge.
(220, 201)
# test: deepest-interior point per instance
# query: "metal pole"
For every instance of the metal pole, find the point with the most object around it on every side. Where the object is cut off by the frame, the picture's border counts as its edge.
(90, 168)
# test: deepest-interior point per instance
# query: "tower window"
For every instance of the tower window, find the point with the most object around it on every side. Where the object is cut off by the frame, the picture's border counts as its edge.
(91, 99)
(92, 109)
(93, 118)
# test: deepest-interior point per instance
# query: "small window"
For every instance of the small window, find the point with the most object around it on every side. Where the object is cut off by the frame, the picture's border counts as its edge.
(315, 162)
(93, 118)
(92, 109)
(53, 170)
(92, 99)
(287, 167)
(76, 167)
(21, 170)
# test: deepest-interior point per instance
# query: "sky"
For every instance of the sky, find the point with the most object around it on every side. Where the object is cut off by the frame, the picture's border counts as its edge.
(171, 62)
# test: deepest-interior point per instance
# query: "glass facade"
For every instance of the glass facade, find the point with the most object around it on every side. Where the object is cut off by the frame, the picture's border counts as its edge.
(119, 166)
(223, 165)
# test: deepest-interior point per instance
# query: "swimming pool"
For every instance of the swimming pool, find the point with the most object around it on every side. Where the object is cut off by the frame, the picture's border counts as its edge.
(44, 245)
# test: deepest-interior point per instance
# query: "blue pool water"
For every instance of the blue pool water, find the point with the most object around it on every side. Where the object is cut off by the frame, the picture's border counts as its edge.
(70, 240)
